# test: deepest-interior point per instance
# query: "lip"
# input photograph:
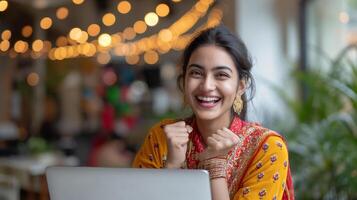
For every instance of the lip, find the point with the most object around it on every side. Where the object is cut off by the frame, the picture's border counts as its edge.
(207, 102)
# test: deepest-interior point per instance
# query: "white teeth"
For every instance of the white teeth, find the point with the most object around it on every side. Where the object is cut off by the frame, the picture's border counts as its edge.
(203, 98)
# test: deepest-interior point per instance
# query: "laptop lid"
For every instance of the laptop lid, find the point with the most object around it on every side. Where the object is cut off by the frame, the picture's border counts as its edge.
(74, 183)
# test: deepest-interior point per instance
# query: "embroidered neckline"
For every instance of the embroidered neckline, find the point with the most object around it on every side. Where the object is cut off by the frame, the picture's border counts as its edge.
(197, 145)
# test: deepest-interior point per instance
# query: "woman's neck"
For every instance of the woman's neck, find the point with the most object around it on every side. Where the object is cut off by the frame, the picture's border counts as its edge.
(209, 127)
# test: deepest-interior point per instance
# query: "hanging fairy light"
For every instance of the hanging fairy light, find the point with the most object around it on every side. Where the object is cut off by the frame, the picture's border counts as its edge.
(83, 38)
(103, 58)
(62, 13)
(165, 35)
(166, 39)
(75, 33)
(6, 35)
(151, 57)
(151, 19)
(132, 60)
(93, 30)
(33, 79)
(108, 19)
(124, 7)
(46, 23)
(129, 33)
(61, 41)
(21, 46)
(77, 2)
(37, 45)
(162, 10)
(140, 27)
(105, 40)
(4, 45)
(3, 5)
(26, 31)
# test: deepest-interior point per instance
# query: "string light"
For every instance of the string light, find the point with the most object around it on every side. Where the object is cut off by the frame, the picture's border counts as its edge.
(75, 33)
(124, 7)
(104, 40)
(93, 30)
(108, 19)
(6, 35)
(151, 19)
(4, 45)
(61, 41)
(176, 1)
(140, 27)
(33, 79)
(132, 60)
(165, 35)
(166, 39)
(129, 33)
(46, 23)
(62, 13)
(3, 5)
(151, 57)
(83, 38)
(37, 45)
(20, 46)
(103, 58)
(77, 2)
(162, 10)
(26, 31)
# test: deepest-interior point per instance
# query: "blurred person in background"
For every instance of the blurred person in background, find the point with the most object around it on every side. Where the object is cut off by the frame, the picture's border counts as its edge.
(244, 159)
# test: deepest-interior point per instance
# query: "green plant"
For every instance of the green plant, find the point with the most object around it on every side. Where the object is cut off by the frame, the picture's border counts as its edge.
(323, 139)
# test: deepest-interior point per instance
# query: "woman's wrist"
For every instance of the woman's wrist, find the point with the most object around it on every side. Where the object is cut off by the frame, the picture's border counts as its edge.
(216, 166)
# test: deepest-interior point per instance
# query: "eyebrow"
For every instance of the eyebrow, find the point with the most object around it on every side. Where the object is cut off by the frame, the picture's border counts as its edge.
(215, 68)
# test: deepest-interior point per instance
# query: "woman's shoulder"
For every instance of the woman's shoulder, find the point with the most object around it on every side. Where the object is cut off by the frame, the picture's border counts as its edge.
(254, 128)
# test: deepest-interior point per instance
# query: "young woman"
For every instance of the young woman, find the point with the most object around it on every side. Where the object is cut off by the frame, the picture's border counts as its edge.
(244, 160)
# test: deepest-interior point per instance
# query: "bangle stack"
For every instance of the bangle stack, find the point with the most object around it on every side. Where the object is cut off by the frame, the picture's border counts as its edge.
(216, 167)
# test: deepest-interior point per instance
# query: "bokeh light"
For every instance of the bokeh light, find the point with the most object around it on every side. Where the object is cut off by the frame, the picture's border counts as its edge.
(151, 19)
(140, 27)
(162, 10)
(6, 35)
(124, 7)
(108, 19)
(37, 45)
(105, 40)
(33, 79)
(62, 13)
(46, 23)
(26, 31)
(93, 30)
(3, 5)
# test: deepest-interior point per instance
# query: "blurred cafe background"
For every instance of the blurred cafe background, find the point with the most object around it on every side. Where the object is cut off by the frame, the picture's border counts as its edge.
(81, 82)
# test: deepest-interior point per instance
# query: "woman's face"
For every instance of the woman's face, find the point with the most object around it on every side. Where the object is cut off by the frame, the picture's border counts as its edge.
(211, 83)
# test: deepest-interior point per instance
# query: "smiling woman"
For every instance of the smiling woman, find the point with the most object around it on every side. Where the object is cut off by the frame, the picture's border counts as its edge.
(244, 159)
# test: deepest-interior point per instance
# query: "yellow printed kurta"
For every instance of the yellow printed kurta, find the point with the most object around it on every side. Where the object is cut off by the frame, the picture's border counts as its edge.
(263, 176)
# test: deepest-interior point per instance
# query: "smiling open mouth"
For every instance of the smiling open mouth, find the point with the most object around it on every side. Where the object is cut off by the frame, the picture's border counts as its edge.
(207, 101)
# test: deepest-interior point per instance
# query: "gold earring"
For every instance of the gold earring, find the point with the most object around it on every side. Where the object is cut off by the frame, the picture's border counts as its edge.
(238, 104)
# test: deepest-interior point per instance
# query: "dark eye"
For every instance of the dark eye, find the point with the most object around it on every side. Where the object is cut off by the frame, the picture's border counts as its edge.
(222, 75)
(195, 73)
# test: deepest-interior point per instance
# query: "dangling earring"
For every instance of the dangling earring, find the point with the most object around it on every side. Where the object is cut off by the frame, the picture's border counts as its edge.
(238, 104)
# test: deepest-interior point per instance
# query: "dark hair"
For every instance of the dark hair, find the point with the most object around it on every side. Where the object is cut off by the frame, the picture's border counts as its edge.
(234, 46)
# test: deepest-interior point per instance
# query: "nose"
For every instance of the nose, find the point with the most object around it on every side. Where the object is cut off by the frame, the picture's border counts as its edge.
(208, 84)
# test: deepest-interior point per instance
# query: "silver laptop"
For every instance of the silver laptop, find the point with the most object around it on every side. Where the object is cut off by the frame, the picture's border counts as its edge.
(76, 183)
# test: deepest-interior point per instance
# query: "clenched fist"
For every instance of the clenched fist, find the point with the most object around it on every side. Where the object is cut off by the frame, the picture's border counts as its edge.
(177, 139)
(220, 143)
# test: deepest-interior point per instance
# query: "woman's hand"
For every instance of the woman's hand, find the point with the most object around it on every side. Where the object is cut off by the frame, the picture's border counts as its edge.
(177, 138)
(220, 143)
